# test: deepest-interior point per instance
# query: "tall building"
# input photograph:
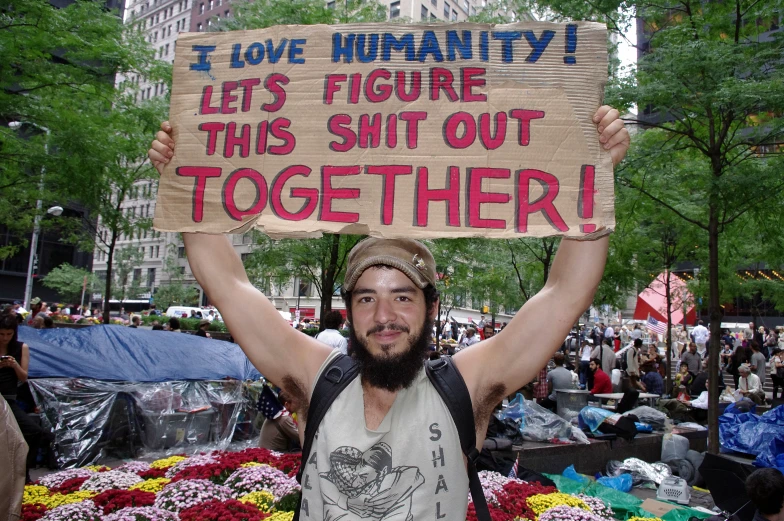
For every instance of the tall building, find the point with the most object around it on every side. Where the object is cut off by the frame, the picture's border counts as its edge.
(162, 21)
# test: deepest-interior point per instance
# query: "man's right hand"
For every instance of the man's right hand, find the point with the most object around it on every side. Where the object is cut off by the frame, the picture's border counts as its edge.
(162, 149)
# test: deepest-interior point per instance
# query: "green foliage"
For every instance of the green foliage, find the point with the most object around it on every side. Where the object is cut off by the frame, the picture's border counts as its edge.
(175, 294)
(186, 324)
(267, 13)
(58, 74)
(68, 281)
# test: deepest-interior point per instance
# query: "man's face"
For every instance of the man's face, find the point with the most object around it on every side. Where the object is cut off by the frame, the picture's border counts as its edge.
(390, 327)
(693, 348)
(592, 366)
(365, 474)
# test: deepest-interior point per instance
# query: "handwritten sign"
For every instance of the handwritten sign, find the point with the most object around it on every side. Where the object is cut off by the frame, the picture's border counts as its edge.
(440, 130)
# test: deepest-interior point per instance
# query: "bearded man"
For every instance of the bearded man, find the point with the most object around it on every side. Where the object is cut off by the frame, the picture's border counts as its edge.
(391, 302)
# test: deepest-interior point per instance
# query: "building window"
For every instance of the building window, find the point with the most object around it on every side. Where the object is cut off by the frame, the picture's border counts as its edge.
(181, 252)
(137, 274)
(447, 10)
(473, 11)
(209, 22)
(198, 28)
(454, 15)
(465, 5)
(201, 8)
(424, 13)
(394, 9)
(150, 277)
(157, 251)
(434, 3)
(227, 13)
(433, 17)
(212, 4)
(167, 53)
(331, 5)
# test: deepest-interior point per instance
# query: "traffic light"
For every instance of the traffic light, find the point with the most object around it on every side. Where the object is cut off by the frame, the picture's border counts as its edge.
(485, 309)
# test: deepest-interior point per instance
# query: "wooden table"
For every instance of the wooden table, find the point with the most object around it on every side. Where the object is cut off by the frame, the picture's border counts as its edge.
(605, 397)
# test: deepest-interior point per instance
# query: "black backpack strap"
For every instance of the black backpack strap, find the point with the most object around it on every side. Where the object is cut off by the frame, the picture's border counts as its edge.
(450, 386)
(336, 377)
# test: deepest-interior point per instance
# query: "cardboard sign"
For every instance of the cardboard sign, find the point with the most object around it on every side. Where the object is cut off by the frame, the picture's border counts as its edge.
(393, 130)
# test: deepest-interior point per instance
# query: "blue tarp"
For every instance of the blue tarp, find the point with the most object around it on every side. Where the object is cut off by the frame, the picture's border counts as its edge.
(762, 436)
(132, 355)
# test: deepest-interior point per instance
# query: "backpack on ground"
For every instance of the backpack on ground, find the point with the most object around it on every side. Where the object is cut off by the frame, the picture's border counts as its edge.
(449, 384)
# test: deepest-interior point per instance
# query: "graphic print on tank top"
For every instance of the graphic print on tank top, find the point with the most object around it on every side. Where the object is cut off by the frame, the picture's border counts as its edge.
(368, 485)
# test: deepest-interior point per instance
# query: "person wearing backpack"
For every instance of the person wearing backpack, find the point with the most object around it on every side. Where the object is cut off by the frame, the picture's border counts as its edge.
(382, 435)
(631, 364)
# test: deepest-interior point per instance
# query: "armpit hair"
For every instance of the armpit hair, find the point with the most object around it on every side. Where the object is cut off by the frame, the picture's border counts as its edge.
(297, 394)
(488, 398)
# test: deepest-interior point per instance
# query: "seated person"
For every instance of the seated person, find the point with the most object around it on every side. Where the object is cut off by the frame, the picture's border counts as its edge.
(651, 379)
(558, 378)
(279, 432)
(601, 380)
(749, 385)
(684, 378)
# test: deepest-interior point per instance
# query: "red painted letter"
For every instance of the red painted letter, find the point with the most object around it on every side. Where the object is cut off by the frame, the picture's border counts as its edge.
(525, 117)
(201, 173)
(544, 204)
(328, 193)
(388, 191)
(231, 184)
(476, 197)
(450, 194)
(309, 194)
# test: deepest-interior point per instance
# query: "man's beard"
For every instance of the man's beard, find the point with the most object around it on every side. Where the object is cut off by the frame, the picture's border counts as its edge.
(391, 372)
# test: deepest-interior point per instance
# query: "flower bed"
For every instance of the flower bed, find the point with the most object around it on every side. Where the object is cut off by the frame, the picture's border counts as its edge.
(249, 485)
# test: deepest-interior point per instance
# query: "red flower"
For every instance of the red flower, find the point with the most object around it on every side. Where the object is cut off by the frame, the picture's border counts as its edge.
(153, 473)
(69, 485)
(230, 510)
(33, 512)
(215, 472)
(112, 500)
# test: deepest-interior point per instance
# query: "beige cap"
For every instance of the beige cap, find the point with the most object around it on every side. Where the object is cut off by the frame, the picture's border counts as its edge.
(409, 256)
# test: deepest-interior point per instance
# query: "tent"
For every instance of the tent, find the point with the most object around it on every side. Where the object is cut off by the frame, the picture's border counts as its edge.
(652, 301)
(132, 355)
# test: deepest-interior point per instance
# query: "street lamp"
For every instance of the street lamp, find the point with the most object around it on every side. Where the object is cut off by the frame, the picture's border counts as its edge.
(54, 210)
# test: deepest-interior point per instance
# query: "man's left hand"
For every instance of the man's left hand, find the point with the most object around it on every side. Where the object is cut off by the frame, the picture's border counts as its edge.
(613, 135)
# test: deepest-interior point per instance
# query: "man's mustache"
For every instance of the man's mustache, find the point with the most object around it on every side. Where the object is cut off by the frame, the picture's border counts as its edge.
(387, 327)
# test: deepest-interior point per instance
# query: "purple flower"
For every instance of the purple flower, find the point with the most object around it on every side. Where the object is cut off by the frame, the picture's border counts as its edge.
(58, 478)
(263, 477)
(83, 511)
(134, 467)
(142, 514)
(114, 479)
(183, 494)
(565, 513)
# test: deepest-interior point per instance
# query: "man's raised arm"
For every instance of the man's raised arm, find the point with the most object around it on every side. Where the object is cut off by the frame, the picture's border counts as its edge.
(285, 356)
(515, 356)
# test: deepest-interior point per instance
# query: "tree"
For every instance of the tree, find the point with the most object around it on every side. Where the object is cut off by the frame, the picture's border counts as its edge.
(176, 292)
(68, 281)
(267, 13)
(321, 262)
(57, 79)
(124, 261)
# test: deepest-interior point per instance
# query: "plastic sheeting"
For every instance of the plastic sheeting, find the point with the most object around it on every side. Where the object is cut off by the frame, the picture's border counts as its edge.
(92, 419)
(746, 432)
(538, 424)
(133, 355)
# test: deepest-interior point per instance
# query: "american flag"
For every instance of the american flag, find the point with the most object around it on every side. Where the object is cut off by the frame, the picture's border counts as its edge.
(268, 404)
(513, 472)
(656, 326)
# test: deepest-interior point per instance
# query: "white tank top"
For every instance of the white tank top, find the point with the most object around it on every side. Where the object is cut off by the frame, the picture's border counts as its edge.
(410, 468)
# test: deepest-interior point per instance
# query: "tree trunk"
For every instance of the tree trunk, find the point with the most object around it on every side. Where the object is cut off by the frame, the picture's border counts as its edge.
(328, 280)
(668, 347)
(713, 348)
(107, 292)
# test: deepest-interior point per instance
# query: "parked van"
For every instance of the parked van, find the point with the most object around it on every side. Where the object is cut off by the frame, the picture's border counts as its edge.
(185, 312)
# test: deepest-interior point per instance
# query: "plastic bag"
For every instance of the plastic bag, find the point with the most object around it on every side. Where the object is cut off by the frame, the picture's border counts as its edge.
(622, 482)
(674, 447)
(649, 415)
(539, 424)
(572, 474)
(592, 417)
(615, 377)
(643, 427)
(762, 436)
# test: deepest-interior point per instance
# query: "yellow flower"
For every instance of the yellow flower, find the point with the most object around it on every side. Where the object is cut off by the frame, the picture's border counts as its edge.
(154, 485)
(281, 516)
(541, 502)
(55, 500)
(97, 468)
(253, 464)
(165, 463)
(262, 499)
(34, 494)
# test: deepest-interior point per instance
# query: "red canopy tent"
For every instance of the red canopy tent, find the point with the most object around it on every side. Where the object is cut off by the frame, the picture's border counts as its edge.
(653, 302)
